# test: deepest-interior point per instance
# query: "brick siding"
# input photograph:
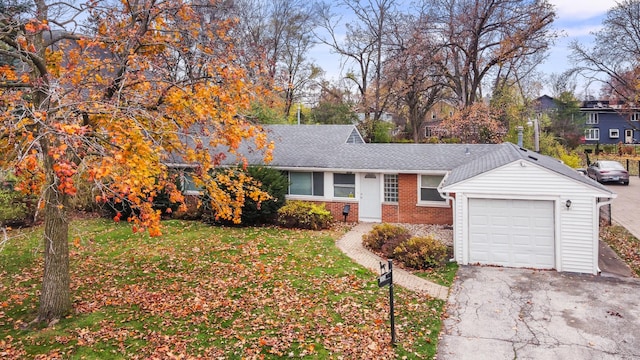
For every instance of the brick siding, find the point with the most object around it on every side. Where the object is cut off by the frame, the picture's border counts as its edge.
(337, 207)
(407, 210)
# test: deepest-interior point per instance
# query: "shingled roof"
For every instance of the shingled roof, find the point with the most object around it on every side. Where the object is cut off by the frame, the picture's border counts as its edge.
(506, 153)
(341, 148)
(326, 147)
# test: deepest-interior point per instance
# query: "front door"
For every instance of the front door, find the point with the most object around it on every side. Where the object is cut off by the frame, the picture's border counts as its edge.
(628, 136)
(370, 207)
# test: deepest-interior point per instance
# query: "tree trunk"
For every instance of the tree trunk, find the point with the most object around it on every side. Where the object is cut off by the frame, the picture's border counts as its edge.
(55, 298)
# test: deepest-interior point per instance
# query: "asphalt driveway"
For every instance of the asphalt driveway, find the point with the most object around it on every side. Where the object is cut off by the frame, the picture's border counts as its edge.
(502, 313)
(624, 208)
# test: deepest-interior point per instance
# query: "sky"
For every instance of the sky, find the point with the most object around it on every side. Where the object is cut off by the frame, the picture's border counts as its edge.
(577, 19)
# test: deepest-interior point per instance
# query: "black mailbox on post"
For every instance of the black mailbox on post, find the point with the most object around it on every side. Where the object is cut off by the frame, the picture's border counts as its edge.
(345, 211)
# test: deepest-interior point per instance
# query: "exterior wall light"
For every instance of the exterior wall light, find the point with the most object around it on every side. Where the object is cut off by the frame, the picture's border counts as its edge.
(568, 204)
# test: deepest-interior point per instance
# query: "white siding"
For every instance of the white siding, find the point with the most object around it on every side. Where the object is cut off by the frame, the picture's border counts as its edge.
(575, 229)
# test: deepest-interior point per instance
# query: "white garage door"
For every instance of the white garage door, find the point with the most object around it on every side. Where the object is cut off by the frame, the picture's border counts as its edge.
(514, 233)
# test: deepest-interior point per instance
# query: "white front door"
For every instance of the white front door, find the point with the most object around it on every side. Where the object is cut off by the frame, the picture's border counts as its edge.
(370, 207)
(628, 136)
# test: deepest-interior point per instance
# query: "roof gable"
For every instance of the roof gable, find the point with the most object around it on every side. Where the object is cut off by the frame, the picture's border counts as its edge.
(355, 137)
(507, 153)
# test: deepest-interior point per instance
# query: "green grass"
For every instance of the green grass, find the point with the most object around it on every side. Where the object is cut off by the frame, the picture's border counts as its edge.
(443, 275)
(210, 292)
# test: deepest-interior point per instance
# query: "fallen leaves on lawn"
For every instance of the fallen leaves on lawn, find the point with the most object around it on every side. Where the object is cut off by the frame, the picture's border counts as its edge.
(9, 350)
(246, 295)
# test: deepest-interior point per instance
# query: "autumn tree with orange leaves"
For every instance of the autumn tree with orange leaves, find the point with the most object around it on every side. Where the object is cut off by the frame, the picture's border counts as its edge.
(477, 123)
(106, 100)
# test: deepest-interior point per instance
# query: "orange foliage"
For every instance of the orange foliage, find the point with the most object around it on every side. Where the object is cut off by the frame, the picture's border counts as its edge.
(476, 123)
(113, 109)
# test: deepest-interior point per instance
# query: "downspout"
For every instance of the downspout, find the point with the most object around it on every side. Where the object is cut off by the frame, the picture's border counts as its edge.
(446, 196)
(598, 206)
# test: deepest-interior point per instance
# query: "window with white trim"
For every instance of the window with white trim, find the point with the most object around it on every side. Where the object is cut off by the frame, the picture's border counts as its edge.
(390, 188)
(306, 183)
(592, 119)
(635, 116)
(344, 185)
(188, 185)
(429, 188)
(592, 134)
(614, 133)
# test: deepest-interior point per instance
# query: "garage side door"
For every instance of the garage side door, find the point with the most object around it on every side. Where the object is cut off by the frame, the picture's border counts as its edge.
(513, 233)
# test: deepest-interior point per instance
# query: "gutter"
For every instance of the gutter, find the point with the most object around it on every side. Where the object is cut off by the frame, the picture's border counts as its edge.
(598, 206)
(450, 198)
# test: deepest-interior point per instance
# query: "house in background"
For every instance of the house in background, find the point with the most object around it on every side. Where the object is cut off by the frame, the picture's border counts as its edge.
(544, 104)
(385, 116)
(431, 128)
(606, 122)
(508, 206)
(611, 122)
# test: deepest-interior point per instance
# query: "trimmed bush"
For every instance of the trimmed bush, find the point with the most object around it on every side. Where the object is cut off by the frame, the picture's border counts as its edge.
(385, 238)
(421, 253)
(304, 215)
(274, 183)
(389, 247)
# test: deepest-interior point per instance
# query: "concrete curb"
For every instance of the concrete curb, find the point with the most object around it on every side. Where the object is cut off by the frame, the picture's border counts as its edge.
(351, 245)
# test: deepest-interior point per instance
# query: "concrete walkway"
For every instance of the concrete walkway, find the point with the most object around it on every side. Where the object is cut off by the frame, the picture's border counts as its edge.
(351, 245)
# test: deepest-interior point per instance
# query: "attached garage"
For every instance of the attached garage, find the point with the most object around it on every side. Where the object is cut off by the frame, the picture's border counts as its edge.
(513, 233)
(516, 208)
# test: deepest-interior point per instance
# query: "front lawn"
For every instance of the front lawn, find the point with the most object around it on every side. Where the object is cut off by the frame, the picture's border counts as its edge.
(208, 292)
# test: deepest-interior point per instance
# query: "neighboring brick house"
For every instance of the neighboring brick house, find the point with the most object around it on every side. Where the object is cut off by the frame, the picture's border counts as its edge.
(432, 129)
(508, 206)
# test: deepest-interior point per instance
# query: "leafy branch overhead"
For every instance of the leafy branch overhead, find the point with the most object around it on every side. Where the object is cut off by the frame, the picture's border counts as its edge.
(114, 99)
